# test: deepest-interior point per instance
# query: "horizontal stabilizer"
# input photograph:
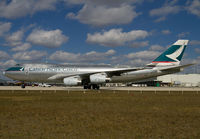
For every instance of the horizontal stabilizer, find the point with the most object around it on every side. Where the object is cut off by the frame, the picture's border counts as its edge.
(177, 67)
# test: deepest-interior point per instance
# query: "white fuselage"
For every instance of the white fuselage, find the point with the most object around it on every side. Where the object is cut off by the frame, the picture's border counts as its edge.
(42, 73)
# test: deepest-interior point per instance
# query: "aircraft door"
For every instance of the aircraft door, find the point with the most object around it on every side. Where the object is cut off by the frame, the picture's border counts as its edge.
(26, 73)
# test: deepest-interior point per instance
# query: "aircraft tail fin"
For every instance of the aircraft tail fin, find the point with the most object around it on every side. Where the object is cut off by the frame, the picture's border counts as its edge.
(172, 56)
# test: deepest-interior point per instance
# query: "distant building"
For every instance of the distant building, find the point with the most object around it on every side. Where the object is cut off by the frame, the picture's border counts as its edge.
(185, 80)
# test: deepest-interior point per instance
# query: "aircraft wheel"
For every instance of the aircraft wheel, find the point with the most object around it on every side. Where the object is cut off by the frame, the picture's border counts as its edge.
(95, 86)
(87, 87)
(23, 85)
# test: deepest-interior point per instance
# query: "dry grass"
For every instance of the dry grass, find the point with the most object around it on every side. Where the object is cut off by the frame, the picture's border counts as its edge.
(99, 115)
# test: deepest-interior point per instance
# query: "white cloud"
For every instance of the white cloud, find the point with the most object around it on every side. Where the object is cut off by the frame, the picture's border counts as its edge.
(183, 35)
(135, 59)
(165, 32)
(140, 58)
(139, 44)
(138, 62)
(8, 63)
(156, 48)
(30, 55)
(93, 12)
(4, 55)
(110, 52)
(15, 38)
(194, 42)
(187, 60)
(4, 27)
(51, 39)
(105, 15)
(165, 10)
(22, 47)
(92, 56)
(197, 50)
(104, 2)
(42, 5)
(168, 8)
(143, 55)
(115, 37)
(14, 8)
(160, 19)
(19, 8)
(194, 7)
(64, 56)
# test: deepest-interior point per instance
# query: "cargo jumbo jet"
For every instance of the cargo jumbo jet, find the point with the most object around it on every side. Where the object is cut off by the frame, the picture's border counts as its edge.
(91, 76)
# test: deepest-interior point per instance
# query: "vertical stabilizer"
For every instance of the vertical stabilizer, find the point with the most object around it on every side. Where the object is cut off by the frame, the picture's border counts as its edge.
(172, 56)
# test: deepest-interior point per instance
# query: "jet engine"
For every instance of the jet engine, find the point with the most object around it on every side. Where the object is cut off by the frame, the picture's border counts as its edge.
(99, 78)
(72, 81)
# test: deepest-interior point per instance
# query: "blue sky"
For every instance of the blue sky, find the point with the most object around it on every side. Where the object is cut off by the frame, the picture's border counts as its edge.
(124, 32)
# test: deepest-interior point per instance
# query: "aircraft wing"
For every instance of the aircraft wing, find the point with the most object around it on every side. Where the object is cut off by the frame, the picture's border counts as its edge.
(176, 67)
(118, 72)
(110, 73)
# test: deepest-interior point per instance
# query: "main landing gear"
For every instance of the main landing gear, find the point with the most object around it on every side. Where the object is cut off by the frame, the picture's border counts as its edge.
(91, 86)
(23, 85)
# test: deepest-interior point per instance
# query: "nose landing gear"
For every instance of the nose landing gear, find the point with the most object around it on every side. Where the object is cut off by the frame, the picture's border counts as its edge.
(23, 85)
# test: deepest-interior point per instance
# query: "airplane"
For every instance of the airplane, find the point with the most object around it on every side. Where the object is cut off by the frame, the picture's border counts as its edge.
(92, 76)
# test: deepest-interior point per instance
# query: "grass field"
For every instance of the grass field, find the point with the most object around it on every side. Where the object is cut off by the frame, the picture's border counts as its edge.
(51, 115)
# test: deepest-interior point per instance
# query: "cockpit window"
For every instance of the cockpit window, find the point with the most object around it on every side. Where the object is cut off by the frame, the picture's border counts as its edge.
(16, 69)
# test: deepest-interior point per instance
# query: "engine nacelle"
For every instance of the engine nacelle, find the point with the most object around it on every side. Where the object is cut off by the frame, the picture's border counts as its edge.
(99, 78)
(72, 81)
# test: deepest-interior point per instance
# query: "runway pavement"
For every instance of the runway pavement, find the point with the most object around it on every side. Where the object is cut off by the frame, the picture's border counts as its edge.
(104, 88)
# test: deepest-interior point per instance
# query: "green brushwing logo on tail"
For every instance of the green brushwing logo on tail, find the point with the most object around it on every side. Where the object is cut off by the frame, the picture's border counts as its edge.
(173, 54)
(16, 69)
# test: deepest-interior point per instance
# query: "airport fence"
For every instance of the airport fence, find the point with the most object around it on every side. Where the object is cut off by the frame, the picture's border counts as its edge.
(135, 92)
